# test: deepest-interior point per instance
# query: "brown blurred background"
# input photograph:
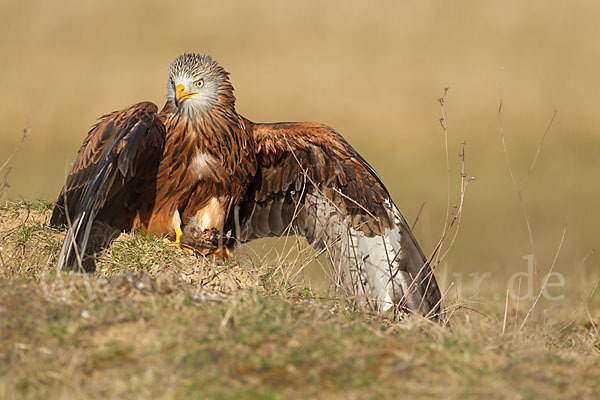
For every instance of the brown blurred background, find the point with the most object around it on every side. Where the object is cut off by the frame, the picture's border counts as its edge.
(372, 70)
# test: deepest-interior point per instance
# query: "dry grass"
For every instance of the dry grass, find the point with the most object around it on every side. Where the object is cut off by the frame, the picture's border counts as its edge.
(30, 248)
(156, 322)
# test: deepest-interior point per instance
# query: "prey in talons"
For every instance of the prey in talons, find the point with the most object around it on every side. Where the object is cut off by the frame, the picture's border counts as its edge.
(177, 241)
(208, 242)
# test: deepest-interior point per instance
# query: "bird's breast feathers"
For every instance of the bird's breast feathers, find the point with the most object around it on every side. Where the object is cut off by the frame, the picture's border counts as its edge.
(203, 166)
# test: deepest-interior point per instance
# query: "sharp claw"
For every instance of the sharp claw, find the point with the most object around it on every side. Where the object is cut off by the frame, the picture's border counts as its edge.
(187, 250)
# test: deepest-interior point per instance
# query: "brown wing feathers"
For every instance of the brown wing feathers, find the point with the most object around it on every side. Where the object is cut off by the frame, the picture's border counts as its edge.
(313, 183)
(292, 155)
(114, 150)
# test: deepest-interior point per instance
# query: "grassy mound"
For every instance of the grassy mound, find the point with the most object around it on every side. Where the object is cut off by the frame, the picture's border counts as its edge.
(155, 322)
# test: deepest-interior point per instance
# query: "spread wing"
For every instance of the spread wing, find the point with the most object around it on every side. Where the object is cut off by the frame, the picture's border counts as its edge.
(115, 166)
(312, 183)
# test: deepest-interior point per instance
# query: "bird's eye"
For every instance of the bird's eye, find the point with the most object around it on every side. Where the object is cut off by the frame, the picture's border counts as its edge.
(199, 83)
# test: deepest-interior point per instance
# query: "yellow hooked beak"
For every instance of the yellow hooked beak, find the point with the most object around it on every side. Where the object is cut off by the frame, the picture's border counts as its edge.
(181, 95)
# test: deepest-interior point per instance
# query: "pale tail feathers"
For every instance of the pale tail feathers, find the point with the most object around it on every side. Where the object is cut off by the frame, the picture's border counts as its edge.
(379, 272)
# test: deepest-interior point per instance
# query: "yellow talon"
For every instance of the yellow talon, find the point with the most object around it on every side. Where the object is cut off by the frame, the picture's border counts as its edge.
(178, 233)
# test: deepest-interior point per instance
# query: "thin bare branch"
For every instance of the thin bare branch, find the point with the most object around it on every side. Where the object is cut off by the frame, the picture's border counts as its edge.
(512, 177)
(562, 239)
(12, 155)
(539, 149)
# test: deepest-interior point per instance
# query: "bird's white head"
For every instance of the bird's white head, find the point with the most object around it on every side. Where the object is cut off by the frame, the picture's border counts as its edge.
(197, 84)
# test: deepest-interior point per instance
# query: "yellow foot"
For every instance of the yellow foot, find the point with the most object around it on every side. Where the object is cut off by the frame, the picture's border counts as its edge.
(177, 243)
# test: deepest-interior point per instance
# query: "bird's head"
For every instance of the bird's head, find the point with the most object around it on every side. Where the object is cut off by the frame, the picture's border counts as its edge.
(197, 84)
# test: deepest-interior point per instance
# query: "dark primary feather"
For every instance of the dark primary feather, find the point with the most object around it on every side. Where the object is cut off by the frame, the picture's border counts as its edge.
(114, 166)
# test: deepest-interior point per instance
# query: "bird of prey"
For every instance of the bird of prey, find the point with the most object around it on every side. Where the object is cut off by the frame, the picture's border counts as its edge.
(201, 174)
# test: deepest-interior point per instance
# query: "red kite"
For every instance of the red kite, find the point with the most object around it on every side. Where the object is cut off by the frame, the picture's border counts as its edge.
(200, 168)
